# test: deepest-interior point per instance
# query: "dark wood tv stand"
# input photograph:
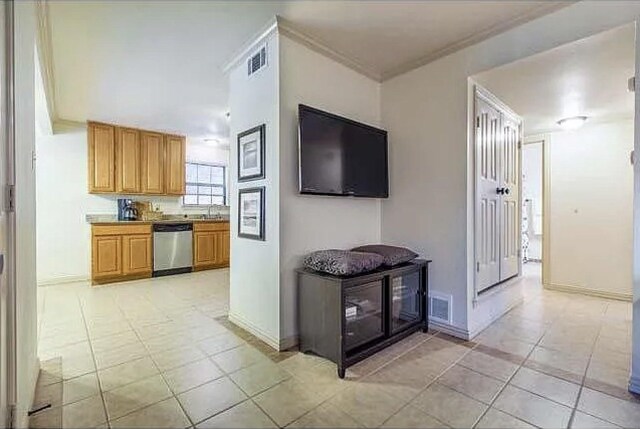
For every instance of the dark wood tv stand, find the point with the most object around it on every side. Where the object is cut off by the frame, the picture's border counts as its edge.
(348, 318)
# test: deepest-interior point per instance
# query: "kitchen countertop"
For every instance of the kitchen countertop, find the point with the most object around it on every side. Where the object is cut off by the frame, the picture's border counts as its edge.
(112, 219)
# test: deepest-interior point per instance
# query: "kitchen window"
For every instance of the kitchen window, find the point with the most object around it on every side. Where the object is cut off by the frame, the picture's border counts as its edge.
(206, 184)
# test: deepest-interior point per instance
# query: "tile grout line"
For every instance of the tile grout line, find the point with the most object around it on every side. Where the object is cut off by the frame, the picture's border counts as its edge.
(164, 380)
(95, 364)
(431, 383)
(586, 370)
(504, 386)
(325, 401)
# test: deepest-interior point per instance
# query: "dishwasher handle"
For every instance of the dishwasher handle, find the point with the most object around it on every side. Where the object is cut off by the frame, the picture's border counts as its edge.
(172, 227)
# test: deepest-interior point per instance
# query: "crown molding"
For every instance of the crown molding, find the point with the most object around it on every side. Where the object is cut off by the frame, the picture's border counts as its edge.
(44, 51)
(475, 38)
(61, 125)
(253, 42)
(283, 27)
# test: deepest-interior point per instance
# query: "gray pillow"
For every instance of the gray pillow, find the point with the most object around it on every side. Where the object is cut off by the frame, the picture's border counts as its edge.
(392, 255)
(342, 262)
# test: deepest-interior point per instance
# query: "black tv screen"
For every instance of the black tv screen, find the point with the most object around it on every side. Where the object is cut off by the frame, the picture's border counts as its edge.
(338, 156)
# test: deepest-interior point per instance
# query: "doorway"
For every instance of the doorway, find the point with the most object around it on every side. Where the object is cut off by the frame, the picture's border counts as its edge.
(532, 213)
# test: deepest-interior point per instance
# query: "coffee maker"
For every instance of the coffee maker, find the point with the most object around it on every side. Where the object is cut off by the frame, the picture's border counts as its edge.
(127, 210)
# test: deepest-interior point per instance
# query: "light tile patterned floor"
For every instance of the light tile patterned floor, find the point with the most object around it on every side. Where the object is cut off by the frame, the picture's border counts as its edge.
(160, 353)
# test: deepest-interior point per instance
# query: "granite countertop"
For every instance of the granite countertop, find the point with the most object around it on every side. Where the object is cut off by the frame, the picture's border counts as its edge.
(113, 219)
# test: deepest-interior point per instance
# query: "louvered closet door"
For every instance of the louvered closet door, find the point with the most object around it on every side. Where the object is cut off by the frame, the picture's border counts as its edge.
(510, 224)
(488, 156)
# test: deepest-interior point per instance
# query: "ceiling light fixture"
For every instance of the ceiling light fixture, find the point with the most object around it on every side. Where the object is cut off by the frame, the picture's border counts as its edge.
(572, 123)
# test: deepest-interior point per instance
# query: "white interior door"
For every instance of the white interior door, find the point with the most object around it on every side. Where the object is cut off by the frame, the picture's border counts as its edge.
(497, 211)
(487, 153)
(510, 223)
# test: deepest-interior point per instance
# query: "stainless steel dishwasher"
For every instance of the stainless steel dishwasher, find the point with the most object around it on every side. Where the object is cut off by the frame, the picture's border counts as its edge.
(172, 248)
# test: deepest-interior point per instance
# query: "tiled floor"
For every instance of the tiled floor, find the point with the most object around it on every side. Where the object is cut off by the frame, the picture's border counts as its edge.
(160, 353)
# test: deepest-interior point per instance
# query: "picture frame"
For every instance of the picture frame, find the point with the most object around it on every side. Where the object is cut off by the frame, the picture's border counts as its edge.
(251, 149)
(251, 212)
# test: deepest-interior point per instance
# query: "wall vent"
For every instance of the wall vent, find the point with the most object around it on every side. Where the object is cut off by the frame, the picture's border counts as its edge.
(257, 61)
(440, 307)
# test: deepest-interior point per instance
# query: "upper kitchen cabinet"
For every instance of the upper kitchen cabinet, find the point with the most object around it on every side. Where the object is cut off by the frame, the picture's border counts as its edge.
(175, 150)
(102, 154)
(128, 160)
(153, 163)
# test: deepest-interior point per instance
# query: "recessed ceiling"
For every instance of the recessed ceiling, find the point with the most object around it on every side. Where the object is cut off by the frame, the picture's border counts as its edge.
(587, 77)
(159, 64)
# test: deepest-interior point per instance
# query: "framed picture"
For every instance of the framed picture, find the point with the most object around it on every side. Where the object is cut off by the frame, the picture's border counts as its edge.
(251, 213)
(251, 154)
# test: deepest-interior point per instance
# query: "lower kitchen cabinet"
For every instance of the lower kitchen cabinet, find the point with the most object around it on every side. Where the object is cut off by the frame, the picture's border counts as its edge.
(120, 252)
(211, 243)
(106, 258)
(137, 254)
(125, 251)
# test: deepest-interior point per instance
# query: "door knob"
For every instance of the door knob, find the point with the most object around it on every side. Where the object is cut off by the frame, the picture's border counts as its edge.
(505, 191)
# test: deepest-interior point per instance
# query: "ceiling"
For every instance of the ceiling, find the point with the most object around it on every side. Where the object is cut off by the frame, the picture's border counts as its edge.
(587, 77)
(159, 64)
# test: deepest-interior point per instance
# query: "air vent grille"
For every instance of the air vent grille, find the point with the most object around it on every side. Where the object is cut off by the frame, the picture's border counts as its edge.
(257, 61)
(440, 307)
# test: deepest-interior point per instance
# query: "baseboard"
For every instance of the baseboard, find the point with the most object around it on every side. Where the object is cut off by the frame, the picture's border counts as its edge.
(634, 385)
(289, 342)
(22, 421)
(254, 330)
(62, 280)
(591, 292)
(454, 331)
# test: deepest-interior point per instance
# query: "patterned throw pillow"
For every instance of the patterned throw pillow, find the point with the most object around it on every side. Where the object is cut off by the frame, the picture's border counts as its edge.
(342, 262)
(392, 255)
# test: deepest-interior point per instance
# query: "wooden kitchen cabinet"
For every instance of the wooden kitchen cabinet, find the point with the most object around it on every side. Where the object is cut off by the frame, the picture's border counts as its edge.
(102, 154)
(128, 159)
(224, 247)
(153, 165)
(106, 260)
(210, 245)
(137, 253)
(121, 252)
(175, 159)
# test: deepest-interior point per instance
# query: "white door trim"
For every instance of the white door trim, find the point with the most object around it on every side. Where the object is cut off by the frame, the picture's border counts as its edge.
(545, 140)
(8, 385)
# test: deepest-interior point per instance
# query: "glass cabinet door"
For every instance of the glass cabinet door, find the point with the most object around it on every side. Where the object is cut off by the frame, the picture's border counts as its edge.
(363, 313)
(405, 300)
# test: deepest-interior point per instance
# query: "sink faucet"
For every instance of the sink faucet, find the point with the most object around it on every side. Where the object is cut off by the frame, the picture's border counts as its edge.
(209, 211)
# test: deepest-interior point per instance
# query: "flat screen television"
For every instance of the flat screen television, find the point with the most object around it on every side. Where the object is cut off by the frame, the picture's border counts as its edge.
(338, 156)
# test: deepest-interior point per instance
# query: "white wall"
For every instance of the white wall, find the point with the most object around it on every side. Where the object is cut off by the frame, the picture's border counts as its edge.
(309, 223)
(591, 209)
(26, 317)
(64, 236)
(255, 265)
(426, 112)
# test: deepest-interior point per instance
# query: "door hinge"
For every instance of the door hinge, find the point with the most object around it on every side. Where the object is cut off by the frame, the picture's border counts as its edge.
(478, 121)
(11, 198)
(478, 266)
